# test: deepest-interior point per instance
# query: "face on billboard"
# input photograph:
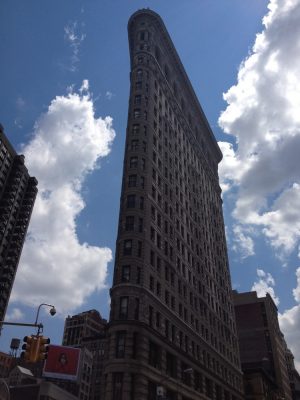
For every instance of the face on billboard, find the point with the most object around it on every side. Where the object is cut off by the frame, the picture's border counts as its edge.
(62, 362)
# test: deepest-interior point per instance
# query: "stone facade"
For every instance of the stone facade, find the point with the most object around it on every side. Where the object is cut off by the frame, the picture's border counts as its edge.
(172, 328)
(87, 330)
(262, 347)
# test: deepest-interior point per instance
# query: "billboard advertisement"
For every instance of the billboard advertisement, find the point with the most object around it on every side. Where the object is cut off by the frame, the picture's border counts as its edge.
(62, 363)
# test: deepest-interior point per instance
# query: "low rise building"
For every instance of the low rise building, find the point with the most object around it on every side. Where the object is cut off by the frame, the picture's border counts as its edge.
(262, 347)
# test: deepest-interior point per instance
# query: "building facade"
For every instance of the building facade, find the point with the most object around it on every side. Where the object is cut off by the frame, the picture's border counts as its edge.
(294, 376)
(262, 347)
(17, 196)
(172, 329)
(87, 330)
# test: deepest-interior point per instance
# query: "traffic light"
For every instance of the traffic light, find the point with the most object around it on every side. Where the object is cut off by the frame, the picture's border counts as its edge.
(43, 346)
(31, 347)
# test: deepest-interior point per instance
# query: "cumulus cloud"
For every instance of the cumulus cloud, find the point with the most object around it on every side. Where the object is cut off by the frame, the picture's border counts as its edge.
(74, 37)
(67, 143)
(14, 315)
(265, 285)
(242, 243)
(263, 117)
(290, 323)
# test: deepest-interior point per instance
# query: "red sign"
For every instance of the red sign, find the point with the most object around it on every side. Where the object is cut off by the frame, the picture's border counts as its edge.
(62, 362)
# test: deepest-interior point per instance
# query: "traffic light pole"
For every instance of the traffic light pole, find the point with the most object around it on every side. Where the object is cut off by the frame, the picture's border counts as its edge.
(39, 326)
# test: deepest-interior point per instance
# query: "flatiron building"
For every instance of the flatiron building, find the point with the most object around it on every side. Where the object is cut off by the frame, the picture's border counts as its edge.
(172, 332)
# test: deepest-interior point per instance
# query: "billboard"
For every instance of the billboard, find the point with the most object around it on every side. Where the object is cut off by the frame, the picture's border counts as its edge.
(62, 362)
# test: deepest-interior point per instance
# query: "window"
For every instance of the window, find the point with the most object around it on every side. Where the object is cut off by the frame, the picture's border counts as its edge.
(152, 234)
(120, 344)
(151, 284)
(209, 388)
(167, 297)
(150, 316)
(154, 355)
(143, 164)
(123, 307)
(125, 273)
(173, 333)
(136, 113)
(157, 54)
(158, 289)
(152, 258)
(141, 222)
(139, 74)
(135, 129)
(143, 35)
(198, 383)
(138, 100)
(117, 385)
(132, 180)
(167, 328)
(134, 144)
(127, 250)
(129, 223)
(186, 374)
(141, 202)
(139, 249)
(158, 320)
(131, 201)
(136, 308)
(133, 162)
(171, 365)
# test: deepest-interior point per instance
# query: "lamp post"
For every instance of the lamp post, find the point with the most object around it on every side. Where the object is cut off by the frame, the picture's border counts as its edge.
(35, 324)
(52, 312)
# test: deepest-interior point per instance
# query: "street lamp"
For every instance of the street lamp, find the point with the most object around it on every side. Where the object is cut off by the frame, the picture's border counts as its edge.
(36, 325)
(52, 312)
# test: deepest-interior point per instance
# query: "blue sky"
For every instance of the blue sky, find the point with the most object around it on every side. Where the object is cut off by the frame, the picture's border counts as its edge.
(64, 101)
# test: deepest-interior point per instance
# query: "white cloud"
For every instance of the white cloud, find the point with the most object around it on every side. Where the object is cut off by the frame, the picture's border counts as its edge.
(243, 243)
(263, 116)
(84, 87)
(290, 326)
(74, 37)
(67, 143)
(296, 292)
(289, 322)
(109, 95)
(265, 285)
(14, 315)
